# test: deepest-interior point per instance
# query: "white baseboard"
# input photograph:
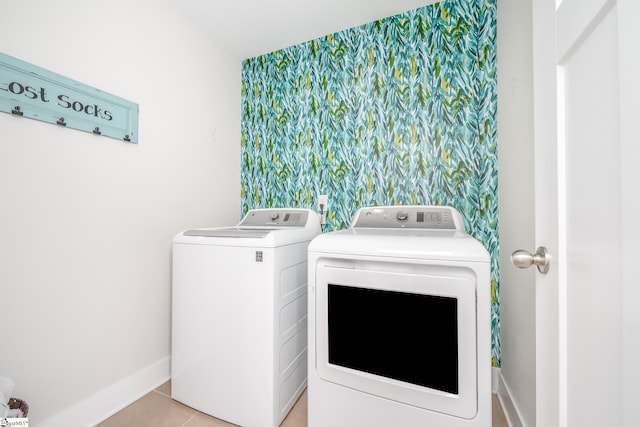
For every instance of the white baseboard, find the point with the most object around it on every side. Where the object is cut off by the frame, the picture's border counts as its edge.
(110, 400)
(509, 408)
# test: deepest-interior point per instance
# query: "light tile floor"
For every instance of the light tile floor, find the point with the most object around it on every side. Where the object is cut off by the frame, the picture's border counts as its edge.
(159, 409)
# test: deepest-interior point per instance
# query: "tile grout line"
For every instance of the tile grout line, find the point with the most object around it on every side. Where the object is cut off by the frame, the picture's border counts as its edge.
(162, 394)
(171, 398)
(187, 422)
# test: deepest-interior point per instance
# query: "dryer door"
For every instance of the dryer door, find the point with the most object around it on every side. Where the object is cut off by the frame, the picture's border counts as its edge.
(401, 331)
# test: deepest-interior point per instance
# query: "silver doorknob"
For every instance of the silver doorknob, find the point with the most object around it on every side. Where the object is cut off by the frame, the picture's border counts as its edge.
(525, 259)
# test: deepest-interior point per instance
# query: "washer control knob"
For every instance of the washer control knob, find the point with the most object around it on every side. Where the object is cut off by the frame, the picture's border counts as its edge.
(275, 216)
(402, 215)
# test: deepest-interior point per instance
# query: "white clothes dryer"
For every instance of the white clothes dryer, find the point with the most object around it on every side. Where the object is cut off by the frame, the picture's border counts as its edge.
(239, 320)
(399, 322)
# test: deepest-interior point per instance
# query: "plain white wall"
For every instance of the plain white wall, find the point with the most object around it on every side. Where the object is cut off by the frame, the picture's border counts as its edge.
(516, 198)
(86, 222)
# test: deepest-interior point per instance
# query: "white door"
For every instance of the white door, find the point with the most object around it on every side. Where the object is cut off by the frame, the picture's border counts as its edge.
(587, 171)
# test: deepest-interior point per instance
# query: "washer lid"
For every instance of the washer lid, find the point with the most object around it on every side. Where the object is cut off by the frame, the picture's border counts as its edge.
(242, 233)
(259, 228)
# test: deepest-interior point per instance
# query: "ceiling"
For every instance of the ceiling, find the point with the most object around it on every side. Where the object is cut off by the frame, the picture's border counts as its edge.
(248, 28)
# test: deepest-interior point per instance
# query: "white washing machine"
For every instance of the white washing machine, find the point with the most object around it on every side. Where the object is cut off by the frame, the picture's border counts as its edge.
(399, 322)
(239, 320)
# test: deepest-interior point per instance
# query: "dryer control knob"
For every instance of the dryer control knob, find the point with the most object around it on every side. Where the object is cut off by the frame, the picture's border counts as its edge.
(274, 216)
(402, 215)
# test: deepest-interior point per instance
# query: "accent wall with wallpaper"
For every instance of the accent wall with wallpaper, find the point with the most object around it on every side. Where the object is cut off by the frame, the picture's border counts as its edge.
(397, 111)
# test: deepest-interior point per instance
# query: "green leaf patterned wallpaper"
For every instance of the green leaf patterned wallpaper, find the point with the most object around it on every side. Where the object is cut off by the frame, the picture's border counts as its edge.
(398, 111)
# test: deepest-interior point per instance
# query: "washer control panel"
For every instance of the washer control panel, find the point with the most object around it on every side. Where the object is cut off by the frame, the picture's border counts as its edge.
(275, 217)
(414, 217)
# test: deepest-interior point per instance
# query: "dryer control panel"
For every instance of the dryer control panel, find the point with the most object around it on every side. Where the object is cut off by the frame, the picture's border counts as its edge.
(413, 217)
